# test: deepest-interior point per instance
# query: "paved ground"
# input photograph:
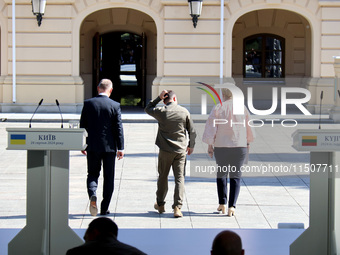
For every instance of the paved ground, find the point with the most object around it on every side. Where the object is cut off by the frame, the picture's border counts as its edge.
(265, 199)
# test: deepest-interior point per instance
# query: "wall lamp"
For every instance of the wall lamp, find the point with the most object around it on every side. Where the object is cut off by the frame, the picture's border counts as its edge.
(195, 7)
(38, 9)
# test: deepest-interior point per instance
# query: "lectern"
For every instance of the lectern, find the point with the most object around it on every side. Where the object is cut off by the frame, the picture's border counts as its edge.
(323, 234)
(46, 231)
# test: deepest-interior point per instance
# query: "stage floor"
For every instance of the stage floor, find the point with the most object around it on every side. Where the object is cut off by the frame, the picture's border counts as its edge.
(191, 241)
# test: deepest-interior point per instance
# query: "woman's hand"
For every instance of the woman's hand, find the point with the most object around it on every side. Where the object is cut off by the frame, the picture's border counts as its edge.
(211, 151)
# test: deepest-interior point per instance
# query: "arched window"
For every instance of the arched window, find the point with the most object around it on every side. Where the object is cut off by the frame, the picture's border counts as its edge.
(263, 56)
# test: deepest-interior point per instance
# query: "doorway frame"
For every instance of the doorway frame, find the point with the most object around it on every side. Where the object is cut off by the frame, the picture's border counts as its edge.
(314, 22)
(102, 6)
(141, 63)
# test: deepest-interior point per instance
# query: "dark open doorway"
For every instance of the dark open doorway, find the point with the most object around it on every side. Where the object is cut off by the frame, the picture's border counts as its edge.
(120, 57)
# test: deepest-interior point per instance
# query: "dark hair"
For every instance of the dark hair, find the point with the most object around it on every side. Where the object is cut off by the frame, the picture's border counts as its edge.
(104, 226)
(227, 243)
(170, 95)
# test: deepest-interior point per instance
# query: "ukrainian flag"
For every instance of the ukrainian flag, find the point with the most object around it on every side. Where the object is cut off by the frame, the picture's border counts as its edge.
(18, 139)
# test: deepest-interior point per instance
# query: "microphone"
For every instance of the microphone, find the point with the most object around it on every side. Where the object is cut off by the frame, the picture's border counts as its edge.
(35, 111)
(62, 121)
(321, 97)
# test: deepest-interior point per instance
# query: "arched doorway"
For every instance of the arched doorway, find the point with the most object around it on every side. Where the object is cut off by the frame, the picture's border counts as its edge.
(113, 45)
(120, 57)
(285, 26)
(271, 48)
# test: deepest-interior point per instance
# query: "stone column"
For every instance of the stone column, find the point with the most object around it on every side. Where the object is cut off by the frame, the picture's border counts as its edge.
(334, 113)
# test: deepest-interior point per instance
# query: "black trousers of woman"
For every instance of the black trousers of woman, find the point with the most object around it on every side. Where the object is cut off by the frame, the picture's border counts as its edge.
(229, 161)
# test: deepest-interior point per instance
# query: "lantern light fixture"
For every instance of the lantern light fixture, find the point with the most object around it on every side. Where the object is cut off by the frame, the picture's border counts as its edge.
(195, 8)
(38, 9)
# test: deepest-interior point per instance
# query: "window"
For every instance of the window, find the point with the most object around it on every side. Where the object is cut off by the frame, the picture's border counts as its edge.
(263, 56)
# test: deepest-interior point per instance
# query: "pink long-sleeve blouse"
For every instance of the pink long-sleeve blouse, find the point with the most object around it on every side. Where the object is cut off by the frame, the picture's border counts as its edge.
(224, 129)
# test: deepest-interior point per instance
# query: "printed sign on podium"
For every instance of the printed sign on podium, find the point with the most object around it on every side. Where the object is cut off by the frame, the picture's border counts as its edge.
(322, 236)
(46, 139)
(46, 231)
(316, 140)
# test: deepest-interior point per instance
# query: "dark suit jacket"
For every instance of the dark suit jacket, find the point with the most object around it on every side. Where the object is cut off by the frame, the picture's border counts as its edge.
(106, 246)
(101, 117)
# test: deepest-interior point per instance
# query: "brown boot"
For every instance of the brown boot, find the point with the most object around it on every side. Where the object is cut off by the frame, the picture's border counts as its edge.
(177, 212)
(159, 208)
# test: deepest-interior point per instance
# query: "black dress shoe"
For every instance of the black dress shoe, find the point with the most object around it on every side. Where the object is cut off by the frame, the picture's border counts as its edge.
(105, 212)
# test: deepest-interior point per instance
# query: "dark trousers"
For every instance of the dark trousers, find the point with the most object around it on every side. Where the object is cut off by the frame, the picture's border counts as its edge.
(229, 161)
(94, 163)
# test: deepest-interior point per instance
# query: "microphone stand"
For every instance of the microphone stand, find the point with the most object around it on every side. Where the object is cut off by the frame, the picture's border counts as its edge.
(321, 97)
(35, 111)
(62, 121)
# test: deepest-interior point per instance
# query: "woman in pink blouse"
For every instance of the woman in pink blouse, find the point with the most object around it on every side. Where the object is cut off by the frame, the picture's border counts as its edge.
(228, 142)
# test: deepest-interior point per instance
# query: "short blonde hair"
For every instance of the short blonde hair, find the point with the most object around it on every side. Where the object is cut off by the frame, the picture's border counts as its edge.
(105, 84)
(226, 93)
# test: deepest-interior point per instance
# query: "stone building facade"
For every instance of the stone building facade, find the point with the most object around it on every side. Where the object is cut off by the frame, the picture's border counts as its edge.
(146, 46)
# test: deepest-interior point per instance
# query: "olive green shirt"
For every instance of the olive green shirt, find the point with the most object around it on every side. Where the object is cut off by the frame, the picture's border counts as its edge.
(173, 125)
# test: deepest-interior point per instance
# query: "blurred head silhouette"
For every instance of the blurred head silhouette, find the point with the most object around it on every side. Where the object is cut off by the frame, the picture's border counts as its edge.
(227, 243)
(101, 227)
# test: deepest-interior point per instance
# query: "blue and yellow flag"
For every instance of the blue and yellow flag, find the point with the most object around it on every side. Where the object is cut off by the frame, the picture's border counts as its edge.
(18, 139)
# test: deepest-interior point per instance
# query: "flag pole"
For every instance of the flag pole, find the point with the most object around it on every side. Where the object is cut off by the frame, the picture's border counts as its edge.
(13, 53)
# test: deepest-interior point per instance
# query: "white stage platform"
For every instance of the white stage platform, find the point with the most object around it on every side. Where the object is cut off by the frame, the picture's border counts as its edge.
(190, 241)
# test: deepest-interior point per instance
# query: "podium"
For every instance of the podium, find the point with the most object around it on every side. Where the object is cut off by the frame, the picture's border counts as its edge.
(46, 231)
(323, 234)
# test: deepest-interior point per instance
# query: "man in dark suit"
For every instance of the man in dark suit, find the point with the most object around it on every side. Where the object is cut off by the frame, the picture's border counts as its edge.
(174, 123)
(101, 117)
(101, 238)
